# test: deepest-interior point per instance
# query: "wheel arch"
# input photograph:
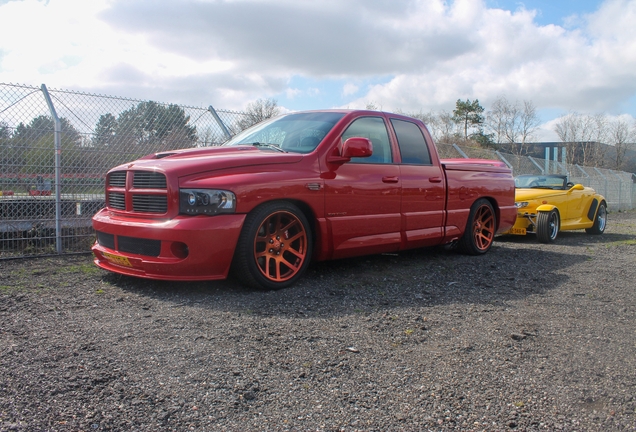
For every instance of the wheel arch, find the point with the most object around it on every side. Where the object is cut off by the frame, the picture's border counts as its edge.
(303, 207)
(548, 208)
(594, 205)
(495, 205)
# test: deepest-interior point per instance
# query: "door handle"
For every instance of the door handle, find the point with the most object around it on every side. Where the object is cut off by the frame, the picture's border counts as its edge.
(390, 179)
(435, 179)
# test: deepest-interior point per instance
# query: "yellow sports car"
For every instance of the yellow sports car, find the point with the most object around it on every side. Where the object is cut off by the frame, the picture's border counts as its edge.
(547, 204)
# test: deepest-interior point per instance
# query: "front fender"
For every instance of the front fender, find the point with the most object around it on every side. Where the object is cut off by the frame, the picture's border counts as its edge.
(546, 208)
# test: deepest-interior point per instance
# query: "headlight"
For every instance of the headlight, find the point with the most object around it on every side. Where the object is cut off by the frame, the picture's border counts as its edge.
(521, 204)
(206, 201)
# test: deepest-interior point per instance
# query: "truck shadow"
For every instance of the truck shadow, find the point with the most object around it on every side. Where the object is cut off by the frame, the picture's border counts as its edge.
(514, 268)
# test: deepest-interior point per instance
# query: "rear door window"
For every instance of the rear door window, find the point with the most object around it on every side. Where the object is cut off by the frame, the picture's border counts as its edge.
(413, 147)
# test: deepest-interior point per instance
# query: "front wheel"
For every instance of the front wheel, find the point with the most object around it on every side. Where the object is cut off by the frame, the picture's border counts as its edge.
(274, 248)
(548, 224)
(600, 221)
(480, 229)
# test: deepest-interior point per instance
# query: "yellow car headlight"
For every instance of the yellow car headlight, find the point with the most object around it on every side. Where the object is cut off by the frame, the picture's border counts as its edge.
(521, 204)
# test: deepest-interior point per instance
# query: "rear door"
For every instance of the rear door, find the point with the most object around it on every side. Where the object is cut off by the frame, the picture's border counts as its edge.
(423, 187)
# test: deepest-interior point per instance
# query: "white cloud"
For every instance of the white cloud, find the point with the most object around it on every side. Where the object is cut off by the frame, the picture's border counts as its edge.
(429, 53)
(349, 89)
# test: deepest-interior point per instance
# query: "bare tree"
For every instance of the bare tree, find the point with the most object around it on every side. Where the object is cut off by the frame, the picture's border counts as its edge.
(582, 135)
(529, 122)
(512, 123)
(440, 125)
(497, 118)
(620, 135)
(257, 111)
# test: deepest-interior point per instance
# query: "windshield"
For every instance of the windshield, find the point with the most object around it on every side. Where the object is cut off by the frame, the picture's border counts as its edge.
(298, 133)
(541, 181)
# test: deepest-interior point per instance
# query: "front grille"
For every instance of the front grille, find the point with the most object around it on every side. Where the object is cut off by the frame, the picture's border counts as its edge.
(155, 202)
(149, 180)
(106, 240)
(150, 203)
(139, 246)
(117, 200)
(117, 179)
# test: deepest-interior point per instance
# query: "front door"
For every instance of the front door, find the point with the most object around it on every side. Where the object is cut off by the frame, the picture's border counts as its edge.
(363, 196)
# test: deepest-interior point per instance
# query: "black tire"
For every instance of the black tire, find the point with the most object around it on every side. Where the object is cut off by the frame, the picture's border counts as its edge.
(480, 229)
(274, 248)
(600, 221)
(548, 224)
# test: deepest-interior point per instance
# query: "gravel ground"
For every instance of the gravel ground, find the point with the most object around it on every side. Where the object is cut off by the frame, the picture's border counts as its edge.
(527, 337)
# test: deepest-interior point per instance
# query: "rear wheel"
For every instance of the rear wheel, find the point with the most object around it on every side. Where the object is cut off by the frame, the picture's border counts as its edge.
(480, 229)
(274, 248)
(600, 221)
(548, 224)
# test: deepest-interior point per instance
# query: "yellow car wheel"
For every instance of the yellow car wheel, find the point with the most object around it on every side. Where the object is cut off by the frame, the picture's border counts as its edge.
(600, 221)
(548, 224)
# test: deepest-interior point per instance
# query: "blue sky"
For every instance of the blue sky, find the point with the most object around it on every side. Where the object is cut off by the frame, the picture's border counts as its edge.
(402, 55)
(549, 12)
(566, 13)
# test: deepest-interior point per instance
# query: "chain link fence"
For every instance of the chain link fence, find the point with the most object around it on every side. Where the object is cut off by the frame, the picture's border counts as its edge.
(618, 187)
(57, 145)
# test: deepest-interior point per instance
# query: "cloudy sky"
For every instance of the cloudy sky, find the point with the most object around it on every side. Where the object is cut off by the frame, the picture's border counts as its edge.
(408, 55)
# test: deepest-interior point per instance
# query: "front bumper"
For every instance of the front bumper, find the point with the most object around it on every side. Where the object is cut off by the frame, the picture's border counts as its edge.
(523, 225)
(184, 248)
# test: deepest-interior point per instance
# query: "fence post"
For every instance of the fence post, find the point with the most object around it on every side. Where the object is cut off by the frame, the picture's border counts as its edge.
(536, 164)
(620, 188)
(219, 122)
(504, 160)
(460, 151)
(587, 176)
(58, 169)
(606, 191)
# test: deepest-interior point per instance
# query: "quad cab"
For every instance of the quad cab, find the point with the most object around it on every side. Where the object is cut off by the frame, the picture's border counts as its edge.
(315, 185)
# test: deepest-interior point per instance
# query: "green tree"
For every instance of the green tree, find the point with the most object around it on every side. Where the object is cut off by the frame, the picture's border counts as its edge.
(147, 127)
(468, 115)
(5, 134)
(105, 130)
(42, 126)
(33, 145)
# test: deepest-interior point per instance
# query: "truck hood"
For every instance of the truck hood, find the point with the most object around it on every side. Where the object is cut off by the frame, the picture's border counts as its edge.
(193, 161)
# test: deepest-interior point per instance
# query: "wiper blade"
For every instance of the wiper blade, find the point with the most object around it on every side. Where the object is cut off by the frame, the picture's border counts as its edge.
(268, 146)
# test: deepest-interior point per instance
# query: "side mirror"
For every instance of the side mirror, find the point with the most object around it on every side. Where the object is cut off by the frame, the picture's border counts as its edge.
(352, 147)
(357, 147)
(577, 186)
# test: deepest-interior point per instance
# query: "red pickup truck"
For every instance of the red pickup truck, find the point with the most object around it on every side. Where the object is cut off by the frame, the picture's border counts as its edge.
(304, 186)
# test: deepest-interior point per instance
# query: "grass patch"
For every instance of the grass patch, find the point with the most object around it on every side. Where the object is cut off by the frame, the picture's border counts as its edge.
(87, 269)
(629, 242)
(8, 289)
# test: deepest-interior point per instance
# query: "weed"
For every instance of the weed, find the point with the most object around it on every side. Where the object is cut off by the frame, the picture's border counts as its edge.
(88, 269)
(629, 242)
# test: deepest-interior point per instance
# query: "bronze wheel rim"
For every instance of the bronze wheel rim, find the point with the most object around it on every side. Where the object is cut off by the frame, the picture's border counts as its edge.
(280, 246)
(484, 227)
